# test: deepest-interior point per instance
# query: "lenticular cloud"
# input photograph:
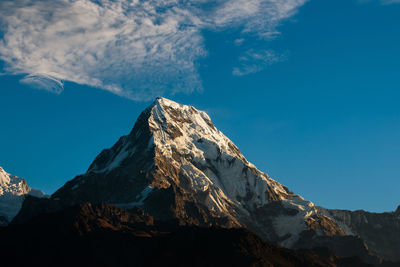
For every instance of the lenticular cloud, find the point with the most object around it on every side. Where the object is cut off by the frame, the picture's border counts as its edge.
(135, 49)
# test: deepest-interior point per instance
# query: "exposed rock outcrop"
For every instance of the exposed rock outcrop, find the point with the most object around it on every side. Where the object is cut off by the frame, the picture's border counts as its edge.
(380, 231)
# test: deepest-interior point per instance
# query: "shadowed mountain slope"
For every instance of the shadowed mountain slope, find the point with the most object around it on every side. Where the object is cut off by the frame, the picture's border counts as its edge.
(104, 235)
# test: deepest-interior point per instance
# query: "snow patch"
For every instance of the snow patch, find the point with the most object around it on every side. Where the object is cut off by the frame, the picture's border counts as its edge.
(75, 186)
(117, 159)
(292, 226)
(142, 197)
(347, 230)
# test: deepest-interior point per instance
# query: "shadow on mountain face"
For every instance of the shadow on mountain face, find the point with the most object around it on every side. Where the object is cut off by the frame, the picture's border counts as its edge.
(104, 235)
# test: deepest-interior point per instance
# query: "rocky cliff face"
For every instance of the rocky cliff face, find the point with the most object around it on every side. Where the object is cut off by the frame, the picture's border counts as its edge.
(380, 231)
(12, 193)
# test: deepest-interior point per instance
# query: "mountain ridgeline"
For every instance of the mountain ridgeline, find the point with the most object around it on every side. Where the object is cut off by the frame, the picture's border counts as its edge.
(177, 167)
(13, 191)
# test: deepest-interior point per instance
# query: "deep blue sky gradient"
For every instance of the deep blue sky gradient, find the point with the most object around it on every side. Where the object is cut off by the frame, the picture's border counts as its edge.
(325, 122)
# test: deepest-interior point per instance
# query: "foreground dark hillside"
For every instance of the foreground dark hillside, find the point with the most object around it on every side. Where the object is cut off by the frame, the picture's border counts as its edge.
(104, 235)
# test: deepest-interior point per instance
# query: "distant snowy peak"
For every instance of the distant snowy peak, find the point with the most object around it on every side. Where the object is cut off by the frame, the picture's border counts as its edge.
(12, 192)
(11, 184)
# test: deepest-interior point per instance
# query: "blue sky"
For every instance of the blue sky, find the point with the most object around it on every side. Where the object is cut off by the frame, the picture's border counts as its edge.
(310, 95)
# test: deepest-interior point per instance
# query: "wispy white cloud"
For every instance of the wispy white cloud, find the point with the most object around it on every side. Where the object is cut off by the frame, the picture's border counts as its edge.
(239, 41)
(135, 49)
(44, 82)
(258, 16)
(256, 60)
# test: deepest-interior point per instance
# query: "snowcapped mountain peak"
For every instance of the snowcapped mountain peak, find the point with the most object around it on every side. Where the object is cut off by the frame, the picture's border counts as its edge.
(176, 164)
(166, 111)
(4, 177)
(200, 159)
(180, 125)
(187, 139)
(12, 192)
(167, 102)
(11, 184)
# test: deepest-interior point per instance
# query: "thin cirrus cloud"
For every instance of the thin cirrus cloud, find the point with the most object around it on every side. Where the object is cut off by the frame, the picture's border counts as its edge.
(254, 61)
(135, 49)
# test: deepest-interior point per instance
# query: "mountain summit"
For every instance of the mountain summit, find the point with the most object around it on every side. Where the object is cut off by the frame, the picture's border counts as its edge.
(12, 193)
(178, 167)
(175, 164)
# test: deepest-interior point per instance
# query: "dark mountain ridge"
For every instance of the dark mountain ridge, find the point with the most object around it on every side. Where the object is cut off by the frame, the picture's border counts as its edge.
(105, 235)
(380, 231)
